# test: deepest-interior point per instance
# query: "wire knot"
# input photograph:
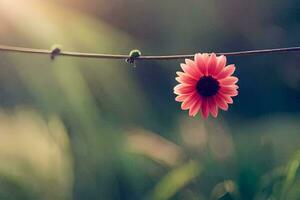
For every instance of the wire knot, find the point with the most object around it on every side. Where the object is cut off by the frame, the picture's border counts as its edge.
(55, 51)
(133, 55)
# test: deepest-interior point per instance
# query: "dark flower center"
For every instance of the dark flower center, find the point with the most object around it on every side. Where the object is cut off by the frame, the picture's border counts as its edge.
(207, 86)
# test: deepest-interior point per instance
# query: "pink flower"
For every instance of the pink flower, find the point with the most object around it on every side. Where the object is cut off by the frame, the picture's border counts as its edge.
(206, 84)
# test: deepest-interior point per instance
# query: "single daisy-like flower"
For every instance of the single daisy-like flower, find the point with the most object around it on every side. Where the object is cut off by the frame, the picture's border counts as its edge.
(206, 84)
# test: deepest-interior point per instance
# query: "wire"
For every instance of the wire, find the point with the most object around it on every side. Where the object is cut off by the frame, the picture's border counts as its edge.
(58, 52)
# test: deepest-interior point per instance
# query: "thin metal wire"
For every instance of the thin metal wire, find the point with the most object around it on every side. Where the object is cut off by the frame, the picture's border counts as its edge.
(120, 56)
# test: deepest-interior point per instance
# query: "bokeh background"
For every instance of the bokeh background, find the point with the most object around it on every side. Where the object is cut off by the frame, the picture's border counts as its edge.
(77, 128)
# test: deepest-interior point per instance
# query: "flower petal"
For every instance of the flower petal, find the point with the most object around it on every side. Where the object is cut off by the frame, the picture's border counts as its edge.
(212, 106)
(221, 102)
(227, 71)
(229, 80)
(221, 63)
(231, 93)
(195, 107)
(212, 64)
(182, 97)
(230, 87)
(193, 64)
(229, 90)
(188, 102)
(184, 89)
(199, 62)
(204, 108)
(190, 70)
(202, 62)
(225, 97)
(185, 78)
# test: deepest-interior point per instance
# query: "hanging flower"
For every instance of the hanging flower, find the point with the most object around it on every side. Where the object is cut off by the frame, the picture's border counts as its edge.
(206, 84)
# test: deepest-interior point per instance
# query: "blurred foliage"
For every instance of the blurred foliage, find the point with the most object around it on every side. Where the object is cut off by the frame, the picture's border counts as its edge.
(74, 128)
(176, 180)
(35, 157)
